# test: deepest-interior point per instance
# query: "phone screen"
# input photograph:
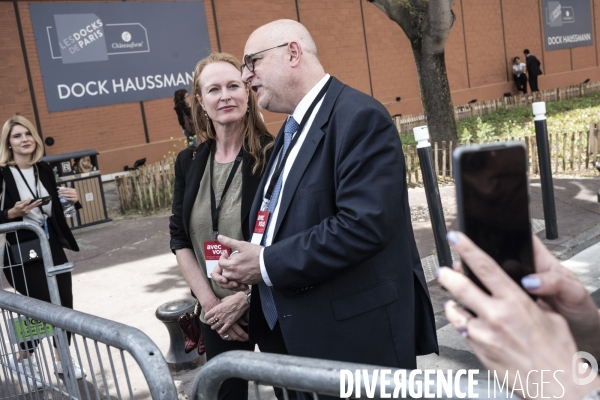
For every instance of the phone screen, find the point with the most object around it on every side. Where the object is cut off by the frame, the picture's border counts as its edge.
(494, 207)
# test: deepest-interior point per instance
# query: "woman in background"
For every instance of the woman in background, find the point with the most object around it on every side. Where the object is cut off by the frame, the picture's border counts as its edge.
(25, 180)
(182, 108)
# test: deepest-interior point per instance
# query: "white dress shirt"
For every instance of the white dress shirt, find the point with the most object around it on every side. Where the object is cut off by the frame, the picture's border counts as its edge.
(299, 112)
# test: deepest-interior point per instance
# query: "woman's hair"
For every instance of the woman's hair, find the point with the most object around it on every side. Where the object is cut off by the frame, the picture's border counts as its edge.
(179, 98)
(515, 59)
(254, 129)
(6, 154)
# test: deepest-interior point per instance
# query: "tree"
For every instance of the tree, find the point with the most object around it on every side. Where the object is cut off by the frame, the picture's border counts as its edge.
(427, 25)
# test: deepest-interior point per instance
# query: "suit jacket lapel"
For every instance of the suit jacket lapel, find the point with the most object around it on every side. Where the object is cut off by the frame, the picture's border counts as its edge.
(313, 138)
(193, 177)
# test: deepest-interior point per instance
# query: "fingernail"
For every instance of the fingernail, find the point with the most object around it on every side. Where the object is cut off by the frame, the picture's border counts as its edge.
(438, 271)
(452, 237)
(531, 282)
(446, 304)
(220, 237)
(463, 332)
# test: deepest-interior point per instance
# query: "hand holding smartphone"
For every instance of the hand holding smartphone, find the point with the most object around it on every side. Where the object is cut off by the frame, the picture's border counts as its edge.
(492, 190)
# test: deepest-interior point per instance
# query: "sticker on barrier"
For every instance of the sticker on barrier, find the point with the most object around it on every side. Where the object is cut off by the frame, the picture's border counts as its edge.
(22, 329)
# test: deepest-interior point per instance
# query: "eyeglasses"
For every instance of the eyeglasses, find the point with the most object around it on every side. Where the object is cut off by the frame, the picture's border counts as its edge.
(249, 62)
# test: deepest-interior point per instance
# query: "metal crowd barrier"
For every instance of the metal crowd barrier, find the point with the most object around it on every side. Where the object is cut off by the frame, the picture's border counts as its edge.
(102, 347)
(313, 376)
(109, 353)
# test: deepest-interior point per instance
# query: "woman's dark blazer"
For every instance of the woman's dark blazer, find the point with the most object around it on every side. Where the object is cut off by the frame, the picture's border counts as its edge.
(59, 222)
(188, 173)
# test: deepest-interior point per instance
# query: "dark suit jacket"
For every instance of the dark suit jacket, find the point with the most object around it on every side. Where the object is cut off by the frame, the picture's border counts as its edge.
(347, 278)
(533, 65)
(47, 179)
(188, 173)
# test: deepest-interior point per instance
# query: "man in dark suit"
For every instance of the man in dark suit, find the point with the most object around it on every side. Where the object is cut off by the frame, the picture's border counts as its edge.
(337, 268)
(533, 69)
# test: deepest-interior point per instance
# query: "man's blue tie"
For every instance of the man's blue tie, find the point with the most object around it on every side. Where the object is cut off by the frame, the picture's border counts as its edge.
(266, 292)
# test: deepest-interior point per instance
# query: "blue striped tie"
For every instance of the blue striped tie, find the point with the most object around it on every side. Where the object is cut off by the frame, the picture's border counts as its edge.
(266, 292)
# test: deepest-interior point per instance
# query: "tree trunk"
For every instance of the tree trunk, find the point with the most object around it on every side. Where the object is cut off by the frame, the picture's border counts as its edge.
(435, 95)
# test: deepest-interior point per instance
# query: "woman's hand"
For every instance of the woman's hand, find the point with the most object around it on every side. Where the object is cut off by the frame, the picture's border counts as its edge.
(561, 291)
(510, 333)
(226, 313)
(22, 208)
(236, 332)
(68, 194)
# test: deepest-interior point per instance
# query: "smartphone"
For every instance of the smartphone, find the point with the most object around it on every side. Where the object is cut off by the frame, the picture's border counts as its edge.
(46, 200)
(492, 191)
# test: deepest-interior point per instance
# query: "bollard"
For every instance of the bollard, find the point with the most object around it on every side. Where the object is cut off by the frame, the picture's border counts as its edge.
(541, 135)
(436, 213)
(168, 313)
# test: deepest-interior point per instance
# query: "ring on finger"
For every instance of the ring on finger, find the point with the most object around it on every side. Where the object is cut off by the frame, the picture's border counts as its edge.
(226, 337)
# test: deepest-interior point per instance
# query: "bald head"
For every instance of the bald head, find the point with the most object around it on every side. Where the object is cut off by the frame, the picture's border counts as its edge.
(284, 62)
(286, 30)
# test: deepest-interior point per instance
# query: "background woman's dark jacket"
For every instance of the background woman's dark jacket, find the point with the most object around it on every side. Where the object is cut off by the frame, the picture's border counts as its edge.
(185, 119)
(46, 176)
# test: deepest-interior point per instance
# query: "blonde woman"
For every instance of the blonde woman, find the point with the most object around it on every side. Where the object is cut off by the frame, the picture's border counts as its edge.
(27, 180)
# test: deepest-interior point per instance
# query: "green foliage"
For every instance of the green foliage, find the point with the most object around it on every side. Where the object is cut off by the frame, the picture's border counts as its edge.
(572, 115)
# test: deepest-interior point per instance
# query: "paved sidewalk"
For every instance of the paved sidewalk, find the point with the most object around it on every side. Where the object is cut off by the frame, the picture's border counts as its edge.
(125, 270)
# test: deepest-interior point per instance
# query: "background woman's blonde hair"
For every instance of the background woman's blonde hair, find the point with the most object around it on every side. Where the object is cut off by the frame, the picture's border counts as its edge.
(254, 129)
(6, 154)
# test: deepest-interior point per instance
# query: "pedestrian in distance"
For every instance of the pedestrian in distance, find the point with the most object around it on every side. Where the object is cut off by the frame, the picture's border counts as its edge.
(183, 111)
(533, 69)
(335, 269)
(26, 181)
(215, 185)
(519, 71)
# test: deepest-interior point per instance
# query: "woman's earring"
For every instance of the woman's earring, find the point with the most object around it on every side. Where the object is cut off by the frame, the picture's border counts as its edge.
(10, 147)
(206, 115)
(248, 110)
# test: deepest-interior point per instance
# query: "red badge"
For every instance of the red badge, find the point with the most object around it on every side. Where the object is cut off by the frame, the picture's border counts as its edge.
(212, 253)
(262, 219)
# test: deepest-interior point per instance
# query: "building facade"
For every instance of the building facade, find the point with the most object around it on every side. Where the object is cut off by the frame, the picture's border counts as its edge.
(357, 43)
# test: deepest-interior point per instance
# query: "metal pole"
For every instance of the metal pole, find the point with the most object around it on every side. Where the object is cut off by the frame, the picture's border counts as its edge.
(541, 135)
(598, 168)
(436, 213)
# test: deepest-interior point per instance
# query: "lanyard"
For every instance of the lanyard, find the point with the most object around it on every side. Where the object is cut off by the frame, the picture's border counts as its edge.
(283, 158)
(36, 197)
(214, 208)
(36, 179)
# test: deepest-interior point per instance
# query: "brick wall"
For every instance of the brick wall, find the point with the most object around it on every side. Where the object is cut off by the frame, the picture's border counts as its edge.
(14, 88)
(485, 37)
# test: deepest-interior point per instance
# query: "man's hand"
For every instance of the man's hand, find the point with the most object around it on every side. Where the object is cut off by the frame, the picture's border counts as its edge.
(241, 269)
